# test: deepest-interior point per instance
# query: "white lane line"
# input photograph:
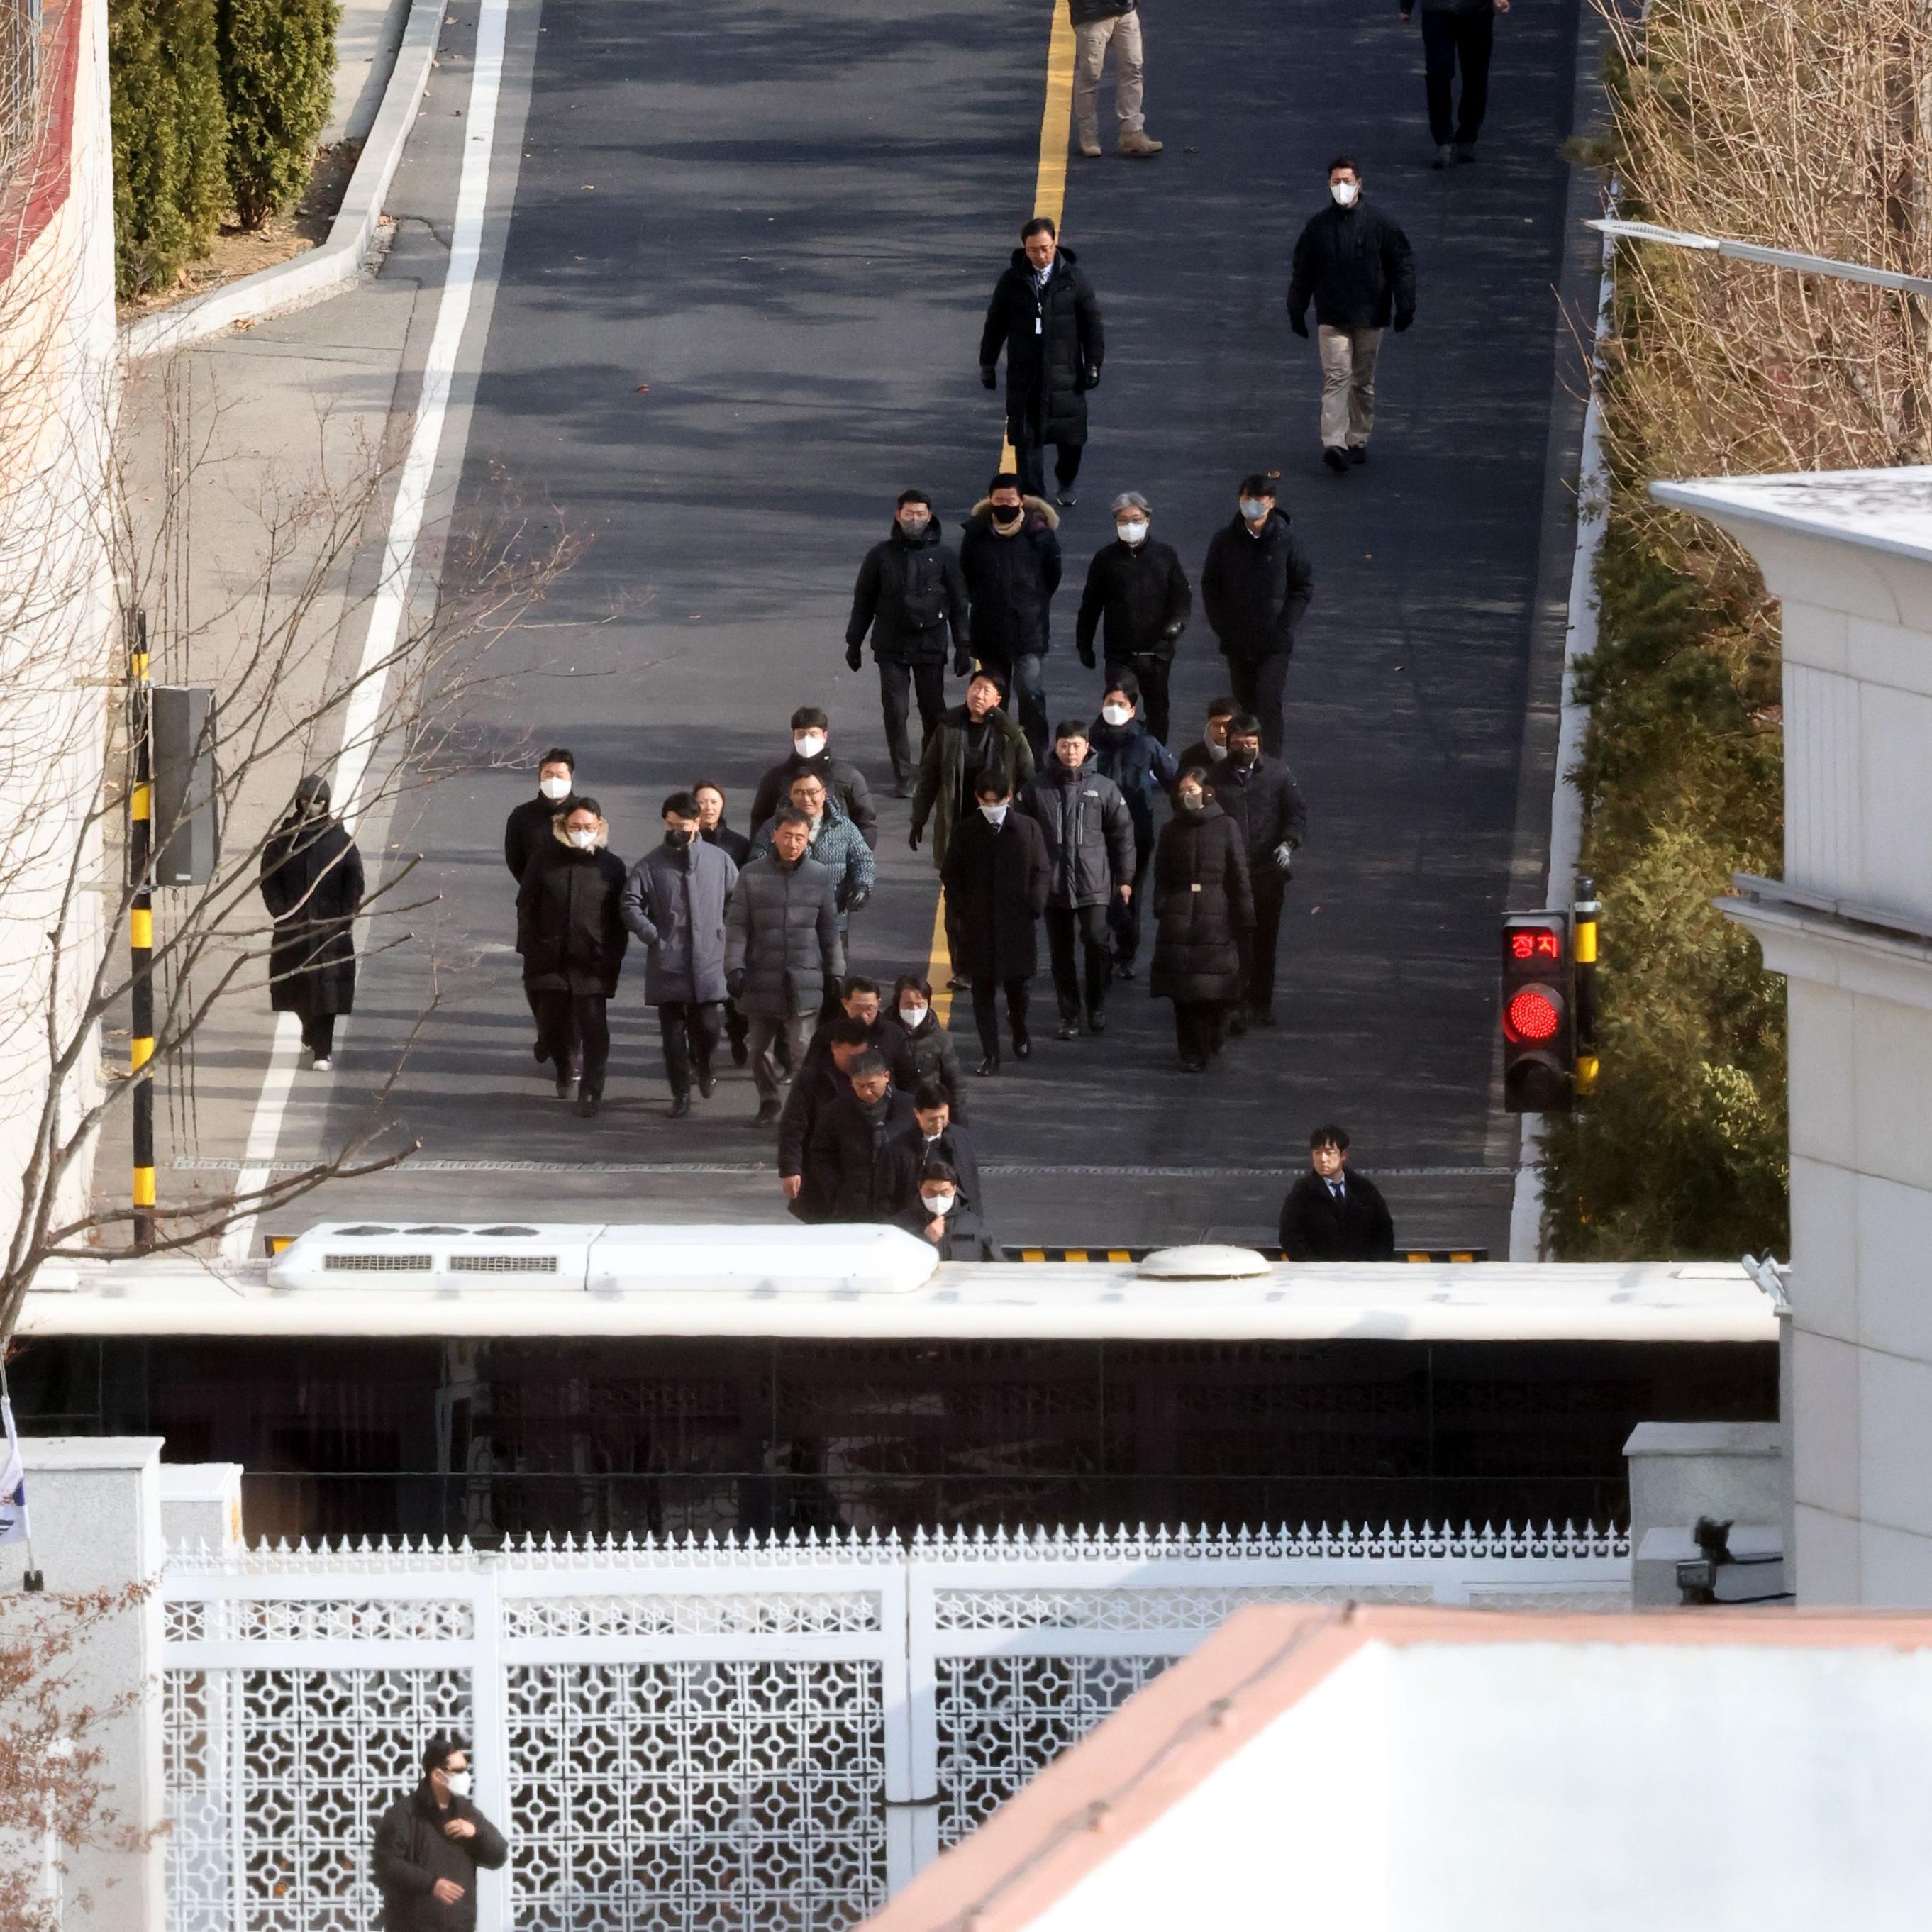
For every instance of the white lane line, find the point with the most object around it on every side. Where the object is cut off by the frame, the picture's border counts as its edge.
(362, 719)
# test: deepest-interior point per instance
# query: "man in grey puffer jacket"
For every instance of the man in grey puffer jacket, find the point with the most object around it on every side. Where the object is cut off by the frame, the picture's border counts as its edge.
(1090, 840)
(783, 956)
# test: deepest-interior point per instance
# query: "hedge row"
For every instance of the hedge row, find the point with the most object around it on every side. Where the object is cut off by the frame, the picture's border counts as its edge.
(217, 107)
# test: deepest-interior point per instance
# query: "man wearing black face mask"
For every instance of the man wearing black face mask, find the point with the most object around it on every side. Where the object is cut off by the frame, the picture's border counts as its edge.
(1011, 559)
(1260, 795)
(674, 902)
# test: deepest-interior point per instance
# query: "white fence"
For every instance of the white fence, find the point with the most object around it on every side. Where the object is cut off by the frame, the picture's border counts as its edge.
(702, 1737)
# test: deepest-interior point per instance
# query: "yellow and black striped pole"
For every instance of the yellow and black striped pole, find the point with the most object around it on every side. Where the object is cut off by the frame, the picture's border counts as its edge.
(1584, 914)
(141, 928)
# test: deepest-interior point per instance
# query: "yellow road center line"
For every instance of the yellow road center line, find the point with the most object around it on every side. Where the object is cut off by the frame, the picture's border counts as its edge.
(1049, 198)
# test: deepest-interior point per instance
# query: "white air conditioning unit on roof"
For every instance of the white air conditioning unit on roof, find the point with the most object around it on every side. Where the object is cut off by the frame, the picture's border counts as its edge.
(440, 1256)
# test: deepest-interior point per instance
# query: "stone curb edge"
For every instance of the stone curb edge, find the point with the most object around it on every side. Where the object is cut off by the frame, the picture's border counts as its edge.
(337, 263)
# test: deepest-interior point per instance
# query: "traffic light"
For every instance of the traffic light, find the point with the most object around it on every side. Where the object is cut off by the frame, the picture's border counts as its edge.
(1538, 1013)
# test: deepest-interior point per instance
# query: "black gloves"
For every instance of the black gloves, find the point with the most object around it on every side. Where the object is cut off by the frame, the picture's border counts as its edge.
(831, 990)
(853, 657)
(1089, 378)
(1171, 632)
(734, 981)
(989, 377)
(1299, 323)
(962, 663)
(1403, 321)
(860, 894)
(1087, 656)
(913, 839)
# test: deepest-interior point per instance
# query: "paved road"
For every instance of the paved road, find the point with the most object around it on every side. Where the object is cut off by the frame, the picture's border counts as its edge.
(785, 221)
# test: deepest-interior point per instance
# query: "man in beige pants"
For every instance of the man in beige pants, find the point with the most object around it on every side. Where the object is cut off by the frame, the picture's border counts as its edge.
(1097, 26)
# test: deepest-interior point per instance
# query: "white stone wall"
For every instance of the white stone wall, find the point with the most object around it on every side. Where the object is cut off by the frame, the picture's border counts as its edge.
(1851, 558)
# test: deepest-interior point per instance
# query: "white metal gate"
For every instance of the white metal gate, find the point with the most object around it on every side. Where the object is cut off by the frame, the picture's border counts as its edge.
(702, 1737)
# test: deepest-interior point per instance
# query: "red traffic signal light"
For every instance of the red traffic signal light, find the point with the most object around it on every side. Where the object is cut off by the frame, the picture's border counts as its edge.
(1539, 1033)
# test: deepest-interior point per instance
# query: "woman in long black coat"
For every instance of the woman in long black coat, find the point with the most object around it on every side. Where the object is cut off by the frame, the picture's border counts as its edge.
(1202, 903)
(996, 875)
(312, 884)
(571, 931)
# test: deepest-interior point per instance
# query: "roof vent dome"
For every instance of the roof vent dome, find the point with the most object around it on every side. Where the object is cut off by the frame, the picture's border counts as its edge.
(1205, 1261)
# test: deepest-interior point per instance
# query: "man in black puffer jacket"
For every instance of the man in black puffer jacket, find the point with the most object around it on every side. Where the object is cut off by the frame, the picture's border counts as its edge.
(912, 597)
(1043, 314)
(430, 1846)
(1355, 266)
(1010, 557)
(1256, 585)
(1137, 597)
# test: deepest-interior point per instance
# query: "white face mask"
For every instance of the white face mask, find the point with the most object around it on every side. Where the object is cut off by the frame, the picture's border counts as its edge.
(809, 744)
(1254, 508)
(995, 814)
(554, 787)
(584, 841)
(1132, 533)
(1116, 714)
(1344, 193)
(939, 1204)
(914, 1017)
(458, 1782)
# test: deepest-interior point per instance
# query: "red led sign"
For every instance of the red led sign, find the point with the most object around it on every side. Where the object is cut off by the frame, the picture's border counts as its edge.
(1541, 944)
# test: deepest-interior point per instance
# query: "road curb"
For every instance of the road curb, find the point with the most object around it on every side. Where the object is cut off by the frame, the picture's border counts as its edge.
(337, 263)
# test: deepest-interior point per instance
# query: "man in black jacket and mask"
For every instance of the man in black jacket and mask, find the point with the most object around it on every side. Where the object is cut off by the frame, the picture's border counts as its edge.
(1043, 314)
(858, 1159)
(1010, 557)
(1356, 267)
(1256, 586)
(912, 597)
(1260, 795)
(1137, 598)
(431, 1845)
(1331, 1215)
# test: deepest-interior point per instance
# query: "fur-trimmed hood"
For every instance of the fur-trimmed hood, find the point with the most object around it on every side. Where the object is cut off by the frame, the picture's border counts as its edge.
(1034, 506)
(563, 837)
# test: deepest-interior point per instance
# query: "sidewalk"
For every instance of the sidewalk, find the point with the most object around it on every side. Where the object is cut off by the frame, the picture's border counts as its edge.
(283, 438)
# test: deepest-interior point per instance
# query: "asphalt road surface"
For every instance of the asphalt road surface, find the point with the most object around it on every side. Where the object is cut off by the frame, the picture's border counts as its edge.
(750, 249)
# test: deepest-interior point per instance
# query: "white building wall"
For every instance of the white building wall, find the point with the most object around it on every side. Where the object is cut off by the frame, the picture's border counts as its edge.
(1851, 557)
(58, 628)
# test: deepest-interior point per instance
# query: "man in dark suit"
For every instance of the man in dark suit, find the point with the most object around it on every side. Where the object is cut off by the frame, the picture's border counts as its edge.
(1331, 1215)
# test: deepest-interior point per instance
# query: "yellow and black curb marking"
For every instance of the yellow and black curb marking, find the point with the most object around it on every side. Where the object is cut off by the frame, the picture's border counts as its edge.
(1117, 1254)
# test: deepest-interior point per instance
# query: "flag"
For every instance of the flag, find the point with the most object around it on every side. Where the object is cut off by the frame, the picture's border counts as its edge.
(12, 1483)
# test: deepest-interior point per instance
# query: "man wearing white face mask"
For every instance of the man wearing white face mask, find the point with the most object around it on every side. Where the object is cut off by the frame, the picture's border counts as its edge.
(811, 741)
(527, 830)
(1138, 599)
(940, 1213)
(1256, 586)
(1355, 265)
(431, 1845)
(997, 875)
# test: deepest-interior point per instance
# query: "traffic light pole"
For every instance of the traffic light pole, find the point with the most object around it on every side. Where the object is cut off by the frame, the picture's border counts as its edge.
(1583, 917)
(141, 928)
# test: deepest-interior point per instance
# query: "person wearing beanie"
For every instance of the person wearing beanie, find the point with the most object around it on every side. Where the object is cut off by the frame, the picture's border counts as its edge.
(1255, 587)
(1137, 599)
(1010, 557)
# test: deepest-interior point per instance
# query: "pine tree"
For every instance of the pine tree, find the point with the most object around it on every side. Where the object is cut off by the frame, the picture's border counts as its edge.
(278, 79)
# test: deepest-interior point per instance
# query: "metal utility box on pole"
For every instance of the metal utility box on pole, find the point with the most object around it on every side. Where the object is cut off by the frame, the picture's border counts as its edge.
(181, 726)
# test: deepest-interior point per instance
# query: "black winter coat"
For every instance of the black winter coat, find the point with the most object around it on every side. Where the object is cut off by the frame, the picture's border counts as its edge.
(411, 1853)
(886, 1037)
(996, 879)
(527, 828)
(911, 597)
(734, 845)
(844, 784)
(1090, 832)
(1202, 900)
(312, 884)
(1316, 1227)
(1055, 348)
(860, 1169)
(814, 1088)
(1355, 265)
(1255, 589)
(1265, 803)
(935, 1057)
(1139, 764)
(1011, 580)
(1137, 598)
(570, 926)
